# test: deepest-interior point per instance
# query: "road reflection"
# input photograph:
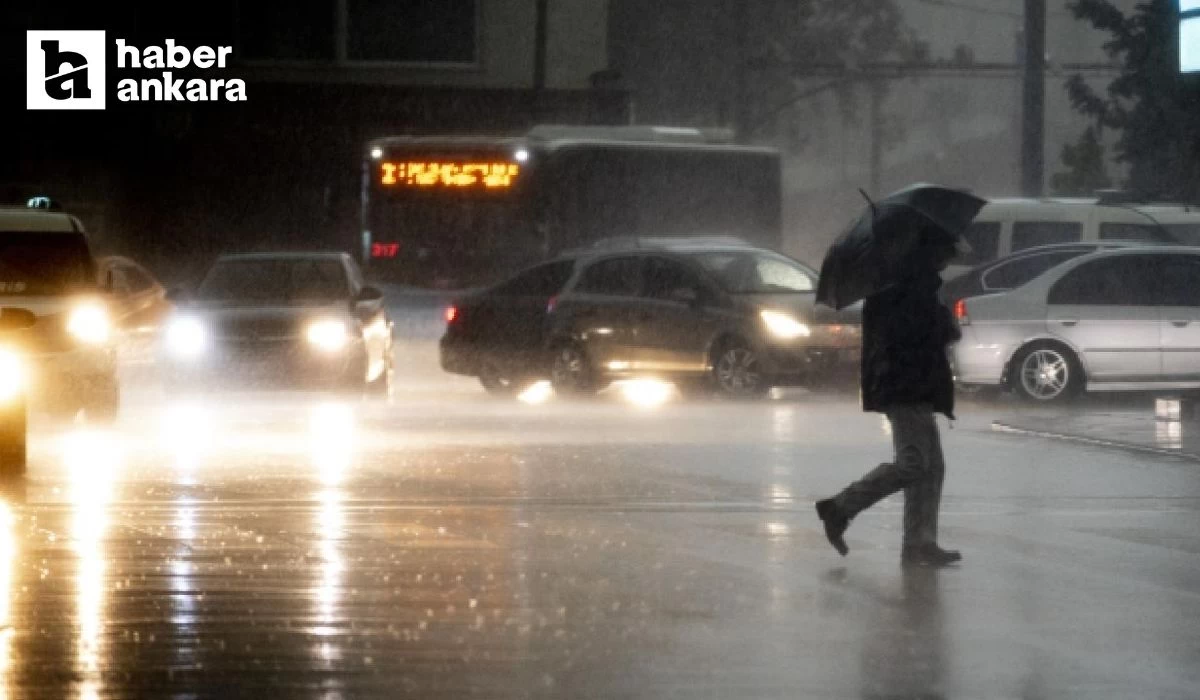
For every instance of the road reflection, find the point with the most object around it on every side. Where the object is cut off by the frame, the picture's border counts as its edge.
(92, 459)
(8, 555)
(331, 451)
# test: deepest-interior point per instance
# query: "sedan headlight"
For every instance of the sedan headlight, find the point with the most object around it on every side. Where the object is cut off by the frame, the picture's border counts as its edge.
(12, 375)
(186, 338)
(783, 325)
(329, 335)
(89, 324)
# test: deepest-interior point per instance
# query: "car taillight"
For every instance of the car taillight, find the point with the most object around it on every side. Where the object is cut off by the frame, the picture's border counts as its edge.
(960, 312)
(551, 303)
(451, 314)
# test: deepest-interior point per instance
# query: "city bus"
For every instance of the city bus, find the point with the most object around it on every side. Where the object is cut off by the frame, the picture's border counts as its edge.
(461, 211)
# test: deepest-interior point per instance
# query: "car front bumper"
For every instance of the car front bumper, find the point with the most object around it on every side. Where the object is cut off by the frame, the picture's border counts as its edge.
(273, 364)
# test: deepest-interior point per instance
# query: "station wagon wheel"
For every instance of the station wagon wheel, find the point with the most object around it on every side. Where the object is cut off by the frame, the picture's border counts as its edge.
(1047, 373)
(571, 371)
(737, 371)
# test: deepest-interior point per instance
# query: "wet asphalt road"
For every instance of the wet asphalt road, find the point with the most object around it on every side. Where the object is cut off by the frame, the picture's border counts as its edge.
(448, 545)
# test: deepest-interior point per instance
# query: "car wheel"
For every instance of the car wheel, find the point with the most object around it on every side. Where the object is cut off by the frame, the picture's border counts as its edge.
(1047, 373)
(103, 402)
(13, 431)
(571, 372)
(737, 371)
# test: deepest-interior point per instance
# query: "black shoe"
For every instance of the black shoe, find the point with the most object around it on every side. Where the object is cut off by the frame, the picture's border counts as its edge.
(835, 524)
(929, 555)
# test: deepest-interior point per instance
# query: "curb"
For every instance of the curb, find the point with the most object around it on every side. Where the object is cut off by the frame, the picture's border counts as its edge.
(1001, 427)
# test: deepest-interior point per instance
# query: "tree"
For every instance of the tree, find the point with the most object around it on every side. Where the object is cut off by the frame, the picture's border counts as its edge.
(1085, 161)
(807, 48)
(1154, 109)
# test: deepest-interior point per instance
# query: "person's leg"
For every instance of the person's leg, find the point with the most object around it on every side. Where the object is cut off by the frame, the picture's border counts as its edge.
(909, 441)
(923, 495)
(922, 503)
(905, 468)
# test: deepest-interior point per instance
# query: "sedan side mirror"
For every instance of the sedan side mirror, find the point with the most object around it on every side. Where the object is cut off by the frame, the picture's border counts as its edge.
(12, 319)
(369, 294)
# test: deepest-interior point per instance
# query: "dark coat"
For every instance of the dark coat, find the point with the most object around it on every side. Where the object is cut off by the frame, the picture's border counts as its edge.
(905, 333)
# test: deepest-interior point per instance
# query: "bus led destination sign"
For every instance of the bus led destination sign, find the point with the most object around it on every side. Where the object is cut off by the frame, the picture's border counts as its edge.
(443, 174)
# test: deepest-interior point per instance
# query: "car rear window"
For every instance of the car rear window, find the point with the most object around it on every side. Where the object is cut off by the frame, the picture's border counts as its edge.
(36, 264)
(1014, 273)
(542, 281)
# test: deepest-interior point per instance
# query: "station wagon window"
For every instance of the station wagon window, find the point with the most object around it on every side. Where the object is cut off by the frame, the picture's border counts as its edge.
(983, 237)
(1112, 231)
(755, 273)
(1014, 273)
(665, 276)
(1188, 234)
(541, 281)
(1129, 280)
(619, 277)
(1028, 234)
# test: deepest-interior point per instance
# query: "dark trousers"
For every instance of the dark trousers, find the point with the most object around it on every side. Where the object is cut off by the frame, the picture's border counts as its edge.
(918, 467)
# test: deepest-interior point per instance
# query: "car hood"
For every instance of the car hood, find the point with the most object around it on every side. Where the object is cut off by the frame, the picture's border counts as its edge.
(804, 308)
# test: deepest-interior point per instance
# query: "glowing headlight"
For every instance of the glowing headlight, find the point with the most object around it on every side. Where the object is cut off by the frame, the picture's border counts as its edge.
(12, 375)
(782, 325)
(89, 324)
(186, 338)
(329, 336)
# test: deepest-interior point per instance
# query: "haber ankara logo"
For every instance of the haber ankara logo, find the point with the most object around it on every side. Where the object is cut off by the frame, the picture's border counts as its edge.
(64, 70)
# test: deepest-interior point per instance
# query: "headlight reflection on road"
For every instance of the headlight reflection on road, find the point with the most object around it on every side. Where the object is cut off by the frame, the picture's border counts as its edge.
(647, 393)
(187, 435)
(332, 436)
(8, 555)
(92, 459)
(537, 393)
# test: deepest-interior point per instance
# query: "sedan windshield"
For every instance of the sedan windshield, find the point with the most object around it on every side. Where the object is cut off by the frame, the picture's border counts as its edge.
(34, 264)
(750, 272)
(275, 281)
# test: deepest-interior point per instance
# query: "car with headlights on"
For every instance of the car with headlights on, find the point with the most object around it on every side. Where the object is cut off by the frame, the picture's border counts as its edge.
(1114, 320)
(708, 313)
(280, 320)
(47, 268)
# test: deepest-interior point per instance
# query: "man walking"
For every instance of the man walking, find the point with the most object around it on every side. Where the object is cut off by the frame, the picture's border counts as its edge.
(906, 376)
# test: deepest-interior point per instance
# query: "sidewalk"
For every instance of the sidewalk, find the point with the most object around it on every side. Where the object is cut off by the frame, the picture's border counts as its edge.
(1131, 429)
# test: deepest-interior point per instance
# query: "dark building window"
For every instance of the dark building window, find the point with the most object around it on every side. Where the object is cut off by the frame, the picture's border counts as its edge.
(411, 31)
(280, 30)
(391, 31)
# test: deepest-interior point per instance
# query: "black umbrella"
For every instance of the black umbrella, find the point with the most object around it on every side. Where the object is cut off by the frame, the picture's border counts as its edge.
(890, 238)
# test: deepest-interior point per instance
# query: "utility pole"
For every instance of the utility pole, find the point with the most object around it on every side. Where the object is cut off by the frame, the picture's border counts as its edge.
(741, 74)
(877, 89)
(1033, 103)
(539, 47)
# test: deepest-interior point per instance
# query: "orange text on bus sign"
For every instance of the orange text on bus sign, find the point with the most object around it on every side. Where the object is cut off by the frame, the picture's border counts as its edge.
(449, 175)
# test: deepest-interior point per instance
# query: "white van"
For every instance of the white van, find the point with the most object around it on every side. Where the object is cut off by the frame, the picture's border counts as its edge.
(46, 267)
(1008, 225)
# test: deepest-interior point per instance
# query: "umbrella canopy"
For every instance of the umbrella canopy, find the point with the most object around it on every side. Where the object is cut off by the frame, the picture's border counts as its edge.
(891, 238)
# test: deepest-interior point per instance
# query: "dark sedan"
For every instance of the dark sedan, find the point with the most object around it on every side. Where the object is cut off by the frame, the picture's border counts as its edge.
(731, 318)
(293, 319)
